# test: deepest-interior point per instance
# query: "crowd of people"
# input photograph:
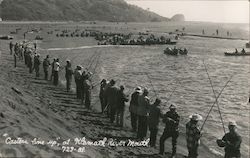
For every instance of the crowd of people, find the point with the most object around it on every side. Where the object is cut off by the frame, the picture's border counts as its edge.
(144, 115)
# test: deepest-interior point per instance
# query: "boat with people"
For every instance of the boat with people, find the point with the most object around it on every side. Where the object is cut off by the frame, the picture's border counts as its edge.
(236, 53)
(175, 51)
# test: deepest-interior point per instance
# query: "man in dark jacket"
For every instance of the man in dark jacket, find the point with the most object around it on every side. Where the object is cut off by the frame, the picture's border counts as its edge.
(46, 64)
(29, 61)
(101, 94)
(171, 120)
(37, 63)
(68, 75)
(87, 91)
(52, 69)
(232, 141)
(78, 76)
(153, 121)
(122, 98)
(133, 108)
(142, 111)
(112, 99)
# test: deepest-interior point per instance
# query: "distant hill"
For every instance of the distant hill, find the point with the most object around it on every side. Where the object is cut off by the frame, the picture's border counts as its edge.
(75, 10)
(178, 17)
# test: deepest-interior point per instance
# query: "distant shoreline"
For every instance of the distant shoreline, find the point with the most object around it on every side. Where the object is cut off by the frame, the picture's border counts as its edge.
(217, 37)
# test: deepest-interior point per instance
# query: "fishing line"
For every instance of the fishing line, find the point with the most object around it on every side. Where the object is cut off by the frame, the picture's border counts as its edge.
(214, 96)
(215, 101)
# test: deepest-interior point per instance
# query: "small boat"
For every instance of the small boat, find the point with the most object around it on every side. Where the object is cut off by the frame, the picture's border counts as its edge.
(175, 52)
(237, 54)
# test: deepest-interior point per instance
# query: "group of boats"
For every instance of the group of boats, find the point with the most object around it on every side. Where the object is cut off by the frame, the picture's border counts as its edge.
(236, 53)
(175, 51)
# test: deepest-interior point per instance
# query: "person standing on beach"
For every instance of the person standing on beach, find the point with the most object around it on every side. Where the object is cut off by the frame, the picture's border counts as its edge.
(29, 61)
(52, 69)
(68, 75)
(231, 141)
(171, 120)
(101, 94)
(78, 76)
(112, 99)
(153, 121)
(46, 64)
(133, 108)
(142, 111)
(87, 91)
(37, 63)
(15, 58)
(56, 72)
(122, 98)
(193, 135)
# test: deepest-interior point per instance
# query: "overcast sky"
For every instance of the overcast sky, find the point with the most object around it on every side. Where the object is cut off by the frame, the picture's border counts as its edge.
(201, 10)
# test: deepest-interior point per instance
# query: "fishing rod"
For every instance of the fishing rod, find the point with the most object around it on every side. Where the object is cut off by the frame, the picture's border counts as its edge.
(215, 102)
(215, 96)
(151, 85)
(172, 92)
(97, 63)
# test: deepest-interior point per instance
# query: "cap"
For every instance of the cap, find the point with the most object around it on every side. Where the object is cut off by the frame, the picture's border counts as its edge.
(195, 117)
(138, 89)
(232, 123)
(172, 106)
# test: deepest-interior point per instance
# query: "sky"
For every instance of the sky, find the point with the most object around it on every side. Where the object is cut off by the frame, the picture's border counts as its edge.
(226, 11)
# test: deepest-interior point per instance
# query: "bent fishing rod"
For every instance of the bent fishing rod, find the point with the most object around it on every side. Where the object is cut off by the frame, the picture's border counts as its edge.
(215, 97)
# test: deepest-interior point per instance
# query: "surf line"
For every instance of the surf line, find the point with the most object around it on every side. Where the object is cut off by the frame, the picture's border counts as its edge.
(89, 47)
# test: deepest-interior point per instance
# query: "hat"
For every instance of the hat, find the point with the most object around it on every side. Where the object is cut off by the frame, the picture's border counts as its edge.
(138, 89)
(232, 123)
(172, 106)
(68, 61)
(112, 82)
(195, 117)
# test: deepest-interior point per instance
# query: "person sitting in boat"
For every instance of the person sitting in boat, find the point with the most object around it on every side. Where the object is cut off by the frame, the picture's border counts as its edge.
(243, 50)
(236, 50)
(185, 51)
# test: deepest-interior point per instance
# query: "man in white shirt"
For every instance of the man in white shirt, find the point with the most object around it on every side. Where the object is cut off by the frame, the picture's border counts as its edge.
(56, 71)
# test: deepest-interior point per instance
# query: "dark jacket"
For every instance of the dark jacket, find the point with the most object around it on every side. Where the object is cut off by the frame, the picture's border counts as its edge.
(134, 102)
(233, 141)
(46, 64)
(121, 99)
(171, 120)
(68, 72)
(112, 96)
(154, 116)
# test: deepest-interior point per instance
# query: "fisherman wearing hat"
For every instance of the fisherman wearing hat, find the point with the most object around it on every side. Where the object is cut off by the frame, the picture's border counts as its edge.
(193, 135)
(231, 141)
(37, 63)
(68, 75)
(133, 108)
(103, 85)
(78, 76)
(122, 98)
(112, 100)
(87, 86)
(56, 71)
(153, 121)
(46, 64)
(142, 111)
(171, 120)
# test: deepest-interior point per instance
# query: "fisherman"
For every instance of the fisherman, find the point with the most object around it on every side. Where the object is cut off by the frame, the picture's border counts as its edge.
(142, 111)
(87, 91)
(29, 61)
(37, 63)
(78, 76)
(231, 141)
(243, 50)
(82, 88)
(122, 98)
(153, 121)
(193, 135)
(11, 47)
(103, 85)
(56, 72)
(46, 64)
(112, 93)
(52, 69)
(171, 120)
(133, 108)
(68, 75)
(236, 50)
(15, 58)
(26, 53)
